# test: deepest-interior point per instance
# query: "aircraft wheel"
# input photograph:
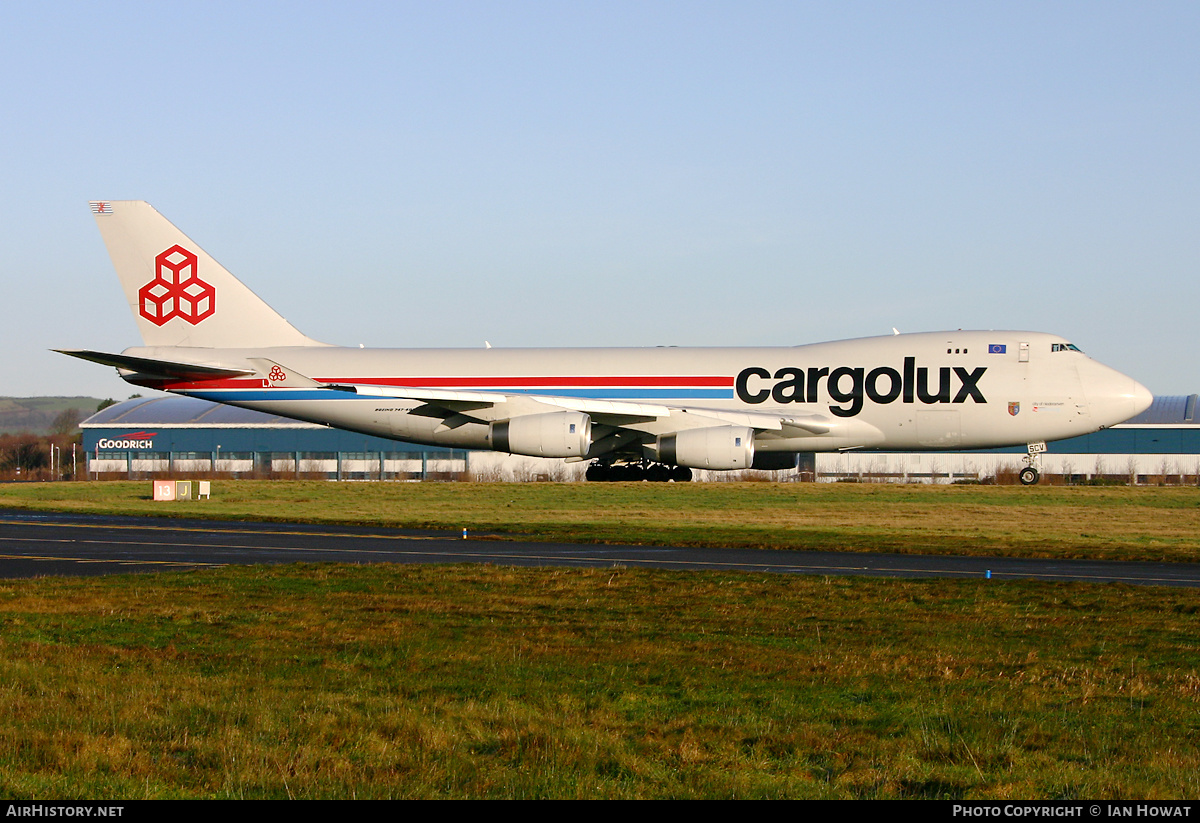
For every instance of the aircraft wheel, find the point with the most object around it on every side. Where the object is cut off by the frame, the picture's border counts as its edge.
(681, 474)
(597, 473)
(1029, 476)
(658, 473)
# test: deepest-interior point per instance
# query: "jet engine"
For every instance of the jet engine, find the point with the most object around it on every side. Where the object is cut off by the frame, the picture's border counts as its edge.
(775, 461)
(557, 434)
(719, 447)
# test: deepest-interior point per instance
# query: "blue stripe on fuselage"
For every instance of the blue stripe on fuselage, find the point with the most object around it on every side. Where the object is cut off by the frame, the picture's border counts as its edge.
(243, 395)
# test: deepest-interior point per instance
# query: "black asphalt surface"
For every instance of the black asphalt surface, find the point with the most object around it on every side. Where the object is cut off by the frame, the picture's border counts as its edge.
(36, 544)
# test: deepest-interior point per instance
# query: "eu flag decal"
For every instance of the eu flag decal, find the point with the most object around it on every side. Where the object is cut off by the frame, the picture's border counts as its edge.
(996, 348)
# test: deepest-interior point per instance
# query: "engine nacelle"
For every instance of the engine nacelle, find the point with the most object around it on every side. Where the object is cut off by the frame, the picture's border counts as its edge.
(775, 461)
(719, 447)
(556, 434)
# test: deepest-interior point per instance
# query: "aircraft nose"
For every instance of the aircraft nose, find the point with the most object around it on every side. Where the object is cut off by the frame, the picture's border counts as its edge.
(1141, 398)
(1121, 398)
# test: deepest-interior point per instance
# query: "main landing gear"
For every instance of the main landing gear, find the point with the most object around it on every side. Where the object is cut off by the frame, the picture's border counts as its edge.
(635, 472)
(1032, 472)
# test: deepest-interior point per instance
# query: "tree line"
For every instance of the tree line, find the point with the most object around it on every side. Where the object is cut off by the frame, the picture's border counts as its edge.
(28, 456)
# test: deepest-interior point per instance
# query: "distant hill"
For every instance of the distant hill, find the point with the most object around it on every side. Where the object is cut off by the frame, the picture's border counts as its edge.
(37, 414)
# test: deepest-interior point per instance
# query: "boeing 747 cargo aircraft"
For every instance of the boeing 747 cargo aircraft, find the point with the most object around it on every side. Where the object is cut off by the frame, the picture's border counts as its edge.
(664, 410)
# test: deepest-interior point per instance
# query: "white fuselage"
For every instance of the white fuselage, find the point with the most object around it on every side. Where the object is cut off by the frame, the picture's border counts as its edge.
(939, 390)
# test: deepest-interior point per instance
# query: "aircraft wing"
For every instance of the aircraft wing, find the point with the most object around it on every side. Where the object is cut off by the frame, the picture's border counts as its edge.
(610, 412)
(647, 418)
(489, 406)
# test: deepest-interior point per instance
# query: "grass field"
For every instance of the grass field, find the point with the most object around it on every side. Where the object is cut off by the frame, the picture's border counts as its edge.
(477, 681)
(1148, 523)
(410, 681)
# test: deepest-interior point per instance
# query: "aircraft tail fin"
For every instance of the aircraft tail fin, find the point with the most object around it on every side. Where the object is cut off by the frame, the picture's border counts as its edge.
(179, 295)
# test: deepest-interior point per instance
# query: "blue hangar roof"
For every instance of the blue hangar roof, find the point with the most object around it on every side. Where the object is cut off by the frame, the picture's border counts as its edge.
(189, 412)
(1168, 411)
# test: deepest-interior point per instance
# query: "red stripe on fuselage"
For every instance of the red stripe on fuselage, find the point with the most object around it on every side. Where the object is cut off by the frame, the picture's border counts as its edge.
(549, 382)
(568, 382)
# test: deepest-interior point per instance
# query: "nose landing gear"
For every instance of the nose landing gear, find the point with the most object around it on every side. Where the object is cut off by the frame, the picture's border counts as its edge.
(1032, 472)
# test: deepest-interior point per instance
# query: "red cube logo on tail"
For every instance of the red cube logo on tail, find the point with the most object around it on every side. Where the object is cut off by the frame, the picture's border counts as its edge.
(176, 290)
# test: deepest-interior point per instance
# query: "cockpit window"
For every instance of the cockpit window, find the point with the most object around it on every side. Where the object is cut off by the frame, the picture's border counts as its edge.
(1064, 347)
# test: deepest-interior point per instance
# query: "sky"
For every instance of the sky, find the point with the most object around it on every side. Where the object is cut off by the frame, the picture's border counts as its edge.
(428, 174)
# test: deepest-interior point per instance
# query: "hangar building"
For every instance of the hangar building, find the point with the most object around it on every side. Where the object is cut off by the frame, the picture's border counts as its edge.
(174, 434)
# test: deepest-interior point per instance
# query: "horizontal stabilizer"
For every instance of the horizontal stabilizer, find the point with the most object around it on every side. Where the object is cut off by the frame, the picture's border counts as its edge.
(157, 368)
